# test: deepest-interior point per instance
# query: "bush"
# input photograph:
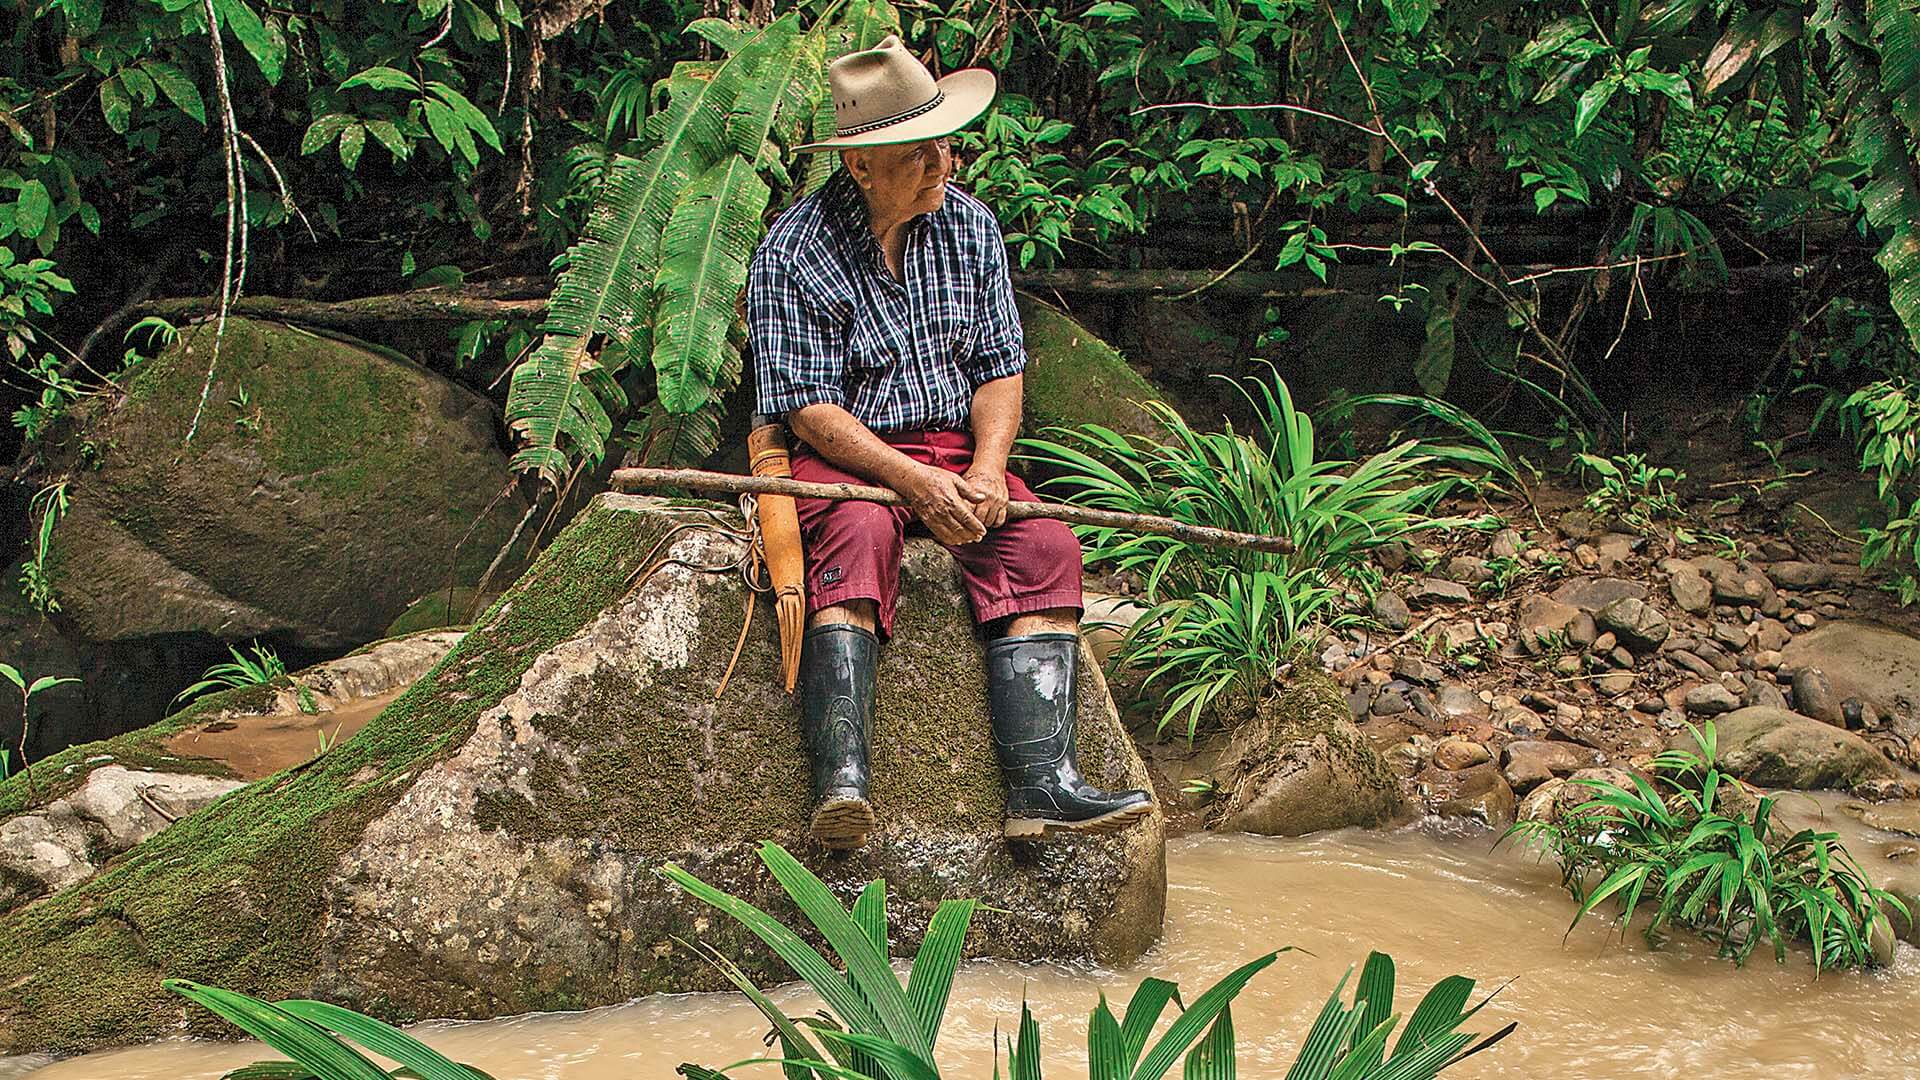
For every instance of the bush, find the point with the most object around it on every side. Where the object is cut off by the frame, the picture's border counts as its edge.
(1223, 620)
(1732, 877)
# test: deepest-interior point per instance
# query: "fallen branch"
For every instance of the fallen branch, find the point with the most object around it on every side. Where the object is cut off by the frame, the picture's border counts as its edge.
(640, 479)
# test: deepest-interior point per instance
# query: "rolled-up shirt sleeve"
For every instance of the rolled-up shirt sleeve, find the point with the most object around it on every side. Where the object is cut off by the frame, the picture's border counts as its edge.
(1000, 348)
(798, 349)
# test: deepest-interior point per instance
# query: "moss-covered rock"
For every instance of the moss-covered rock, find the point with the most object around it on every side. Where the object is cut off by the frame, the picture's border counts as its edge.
(1075, 378)
(327, 485)
(1300, 766)
(488, 844)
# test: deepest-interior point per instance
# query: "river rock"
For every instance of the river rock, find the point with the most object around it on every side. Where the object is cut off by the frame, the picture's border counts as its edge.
(1456, 700)
(1795, 574)
(1391, 610)
(489, 843)
(1468, 570)
(1711, 699)
(1530, 763)
(1429, 591)
(1637, 623)
(1813, 696)
(1541, 614)
(1456, 753)
(1300, 766)
(365, 482)
(1742, 584)
(1691, 592)
(1872, 663)
(1775, 748)
(1760, 692)
(1506, 544)
(1590, 594)
(1478, 794)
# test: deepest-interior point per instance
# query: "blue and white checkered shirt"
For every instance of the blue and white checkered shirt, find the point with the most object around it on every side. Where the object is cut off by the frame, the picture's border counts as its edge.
(827, 323)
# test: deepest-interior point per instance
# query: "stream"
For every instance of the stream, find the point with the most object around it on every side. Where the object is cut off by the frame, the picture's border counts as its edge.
(1589, 1003)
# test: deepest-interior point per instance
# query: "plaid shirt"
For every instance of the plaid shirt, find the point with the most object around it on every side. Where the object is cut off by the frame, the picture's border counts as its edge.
(827, 323)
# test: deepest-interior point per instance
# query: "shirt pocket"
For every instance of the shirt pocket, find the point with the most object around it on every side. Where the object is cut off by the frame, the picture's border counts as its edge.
(870, 349)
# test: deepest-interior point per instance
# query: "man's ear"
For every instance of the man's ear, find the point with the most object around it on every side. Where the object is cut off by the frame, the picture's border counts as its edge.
(857, 165)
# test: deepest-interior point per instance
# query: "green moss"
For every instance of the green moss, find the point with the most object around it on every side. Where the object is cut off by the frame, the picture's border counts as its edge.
(229, 896)
(1074, 378)
(438, 609)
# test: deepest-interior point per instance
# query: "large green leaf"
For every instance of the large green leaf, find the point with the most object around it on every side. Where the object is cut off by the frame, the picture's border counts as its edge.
(707, 243)
(325, 1056)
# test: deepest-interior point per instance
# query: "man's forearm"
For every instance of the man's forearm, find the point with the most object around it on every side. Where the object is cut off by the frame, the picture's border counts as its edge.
(995, 417)
(835, 434)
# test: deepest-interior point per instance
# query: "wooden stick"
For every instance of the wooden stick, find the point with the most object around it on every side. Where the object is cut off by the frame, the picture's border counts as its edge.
(631, 480)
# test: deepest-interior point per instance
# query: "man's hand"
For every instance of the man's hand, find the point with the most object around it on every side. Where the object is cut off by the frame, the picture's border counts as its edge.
(989, 493)
(945, 504)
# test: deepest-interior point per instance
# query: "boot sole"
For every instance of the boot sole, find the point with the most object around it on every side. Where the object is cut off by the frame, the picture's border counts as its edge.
(1111, 822)
(843, 824)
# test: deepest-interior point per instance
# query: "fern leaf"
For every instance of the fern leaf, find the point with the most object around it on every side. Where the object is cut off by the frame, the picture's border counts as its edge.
(1876, 69)
(664, 438)
(605, 288)
(707, 245)
(790, 78)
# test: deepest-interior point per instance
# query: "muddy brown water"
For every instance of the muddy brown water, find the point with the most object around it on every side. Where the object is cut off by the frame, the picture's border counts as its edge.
(257, 746)
(1589, 1003)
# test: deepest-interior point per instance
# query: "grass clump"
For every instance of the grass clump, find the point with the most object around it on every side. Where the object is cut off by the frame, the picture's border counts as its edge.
(1675, 845)
(1221, 621)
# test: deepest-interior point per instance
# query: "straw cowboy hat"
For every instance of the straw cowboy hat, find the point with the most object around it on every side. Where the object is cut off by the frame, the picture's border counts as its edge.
(884, 95)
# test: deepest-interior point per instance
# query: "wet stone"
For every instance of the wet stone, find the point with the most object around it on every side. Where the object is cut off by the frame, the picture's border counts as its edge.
(1458, 699)
(1455, 754)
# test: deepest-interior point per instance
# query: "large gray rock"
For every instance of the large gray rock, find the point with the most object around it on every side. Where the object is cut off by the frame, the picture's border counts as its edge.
(353, 482)
(67, 841)
(489, 844)
(1590, 594)
(1300, 766)
(1637, 624)
(1873, 663)
(1775, 748)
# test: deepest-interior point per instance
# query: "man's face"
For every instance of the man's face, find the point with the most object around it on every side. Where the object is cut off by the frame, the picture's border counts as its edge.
(906, 179)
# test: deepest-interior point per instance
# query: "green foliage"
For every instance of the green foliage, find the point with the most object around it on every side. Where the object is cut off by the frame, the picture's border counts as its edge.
(1019, 169)
(28, 691)
(263, 667)
(319, 1039)
(1884, 419)
(657, 271)
(881, 1030)
(1674, 845)
(1629, 490)
(36, 582)
(1224, 619)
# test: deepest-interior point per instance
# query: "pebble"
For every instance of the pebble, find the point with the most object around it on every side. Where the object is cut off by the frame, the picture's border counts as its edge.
(1439, 591)
(1638, 624)
(1620, 657)
(1582, 631)
(1389, 703)
(1772, 635)
(1468, 570)
(1391, 610)
(1691, 592)
(1805, 620)
(1763, 693)
(1799, 575)
(1711, 699)
(1506, 544)
(1416, 669)
(1615, 682)
(1767, 660)
(1813, 696)
(1454, 754)
(1605, 642)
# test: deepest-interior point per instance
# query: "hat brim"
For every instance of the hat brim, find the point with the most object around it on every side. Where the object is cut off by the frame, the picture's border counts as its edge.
(968, 93)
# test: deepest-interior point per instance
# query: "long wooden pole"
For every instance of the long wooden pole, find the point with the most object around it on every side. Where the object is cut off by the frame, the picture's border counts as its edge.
(641, 479)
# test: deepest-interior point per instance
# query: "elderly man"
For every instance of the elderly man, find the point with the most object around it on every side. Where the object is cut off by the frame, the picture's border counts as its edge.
(882, 325)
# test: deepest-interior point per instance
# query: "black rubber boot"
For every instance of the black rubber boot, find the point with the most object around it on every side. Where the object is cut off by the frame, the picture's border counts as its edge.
(1030, 683)
(836, 710)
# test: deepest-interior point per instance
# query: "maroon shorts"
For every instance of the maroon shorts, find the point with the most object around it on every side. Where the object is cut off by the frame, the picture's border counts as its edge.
(853, 548)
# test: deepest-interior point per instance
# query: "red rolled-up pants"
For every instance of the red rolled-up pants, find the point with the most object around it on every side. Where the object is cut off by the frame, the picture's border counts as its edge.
(853, 548)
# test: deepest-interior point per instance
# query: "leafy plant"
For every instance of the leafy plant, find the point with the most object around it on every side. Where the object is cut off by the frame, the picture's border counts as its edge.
(1511, 570)
(263, 667)
(1736, 878)
(28, 690)
(1884, 420)
(1223, 620)
(36, 581)
(655, 275)
(1625, 487)
(318, 1039)
(881, 1030)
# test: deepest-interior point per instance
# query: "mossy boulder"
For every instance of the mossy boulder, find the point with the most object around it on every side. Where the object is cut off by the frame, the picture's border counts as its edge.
(1298, 766)
(489, 843)
(327, 485)
(1074, 378)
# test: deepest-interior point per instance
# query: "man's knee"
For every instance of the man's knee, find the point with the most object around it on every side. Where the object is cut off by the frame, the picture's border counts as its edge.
(1052, 543)
(1063, 620)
